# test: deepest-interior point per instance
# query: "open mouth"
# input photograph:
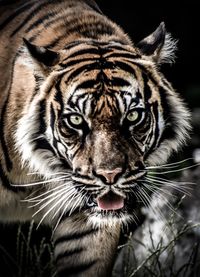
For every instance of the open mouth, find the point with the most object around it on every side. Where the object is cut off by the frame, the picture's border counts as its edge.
(110, 202)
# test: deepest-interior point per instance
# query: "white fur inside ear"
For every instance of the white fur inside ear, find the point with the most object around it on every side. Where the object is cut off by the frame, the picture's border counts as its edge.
(167, 52)
(25, 59)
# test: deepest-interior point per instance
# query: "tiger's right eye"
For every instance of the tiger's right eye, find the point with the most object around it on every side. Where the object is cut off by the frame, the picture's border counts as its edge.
(75, 119)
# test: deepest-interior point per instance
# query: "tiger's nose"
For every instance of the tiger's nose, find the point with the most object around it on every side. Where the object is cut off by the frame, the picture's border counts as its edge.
(109, 176)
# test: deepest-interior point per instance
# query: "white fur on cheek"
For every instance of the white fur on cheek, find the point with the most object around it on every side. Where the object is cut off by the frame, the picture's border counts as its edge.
(38, 160)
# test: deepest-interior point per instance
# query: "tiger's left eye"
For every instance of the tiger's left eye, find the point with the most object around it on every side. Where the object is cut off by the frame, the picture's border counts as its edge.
(133, 116)
(75, 119)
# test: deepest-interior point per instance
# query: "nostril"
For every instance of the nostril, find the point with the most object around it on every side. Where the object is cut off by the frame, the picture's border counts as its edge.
(109, 176)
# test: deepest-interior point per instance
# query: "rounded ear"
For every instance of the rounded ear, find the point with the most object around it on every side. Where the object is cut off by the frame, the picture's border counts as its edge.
(159, 45)
(41, 54)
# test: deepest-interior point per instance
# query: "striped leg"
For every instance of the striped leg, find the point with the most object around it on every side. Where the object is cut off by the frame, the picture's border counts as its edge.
(81, 250)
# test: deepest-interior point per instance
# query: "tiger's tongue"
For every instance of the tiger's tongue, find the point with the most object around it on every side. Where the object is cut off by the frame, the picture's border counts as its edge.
(110, 201)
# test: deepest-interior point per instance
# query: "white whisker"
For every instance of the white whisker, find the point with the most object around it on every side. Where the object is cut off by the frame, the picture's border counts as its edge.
(153, 188)
(157, 212)
(58, 179)
(169, 165)
(170, 181)
(64, 211)
(76, 202)
(29, 199)
(40, 201)
(52, 207)
(173, 171)
(51, 174)
(51, 200)
(181, 188)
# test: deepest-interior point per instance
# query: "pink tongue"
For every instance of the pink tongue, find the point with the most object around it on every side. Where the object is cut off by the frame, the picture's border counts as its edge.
(110, 201)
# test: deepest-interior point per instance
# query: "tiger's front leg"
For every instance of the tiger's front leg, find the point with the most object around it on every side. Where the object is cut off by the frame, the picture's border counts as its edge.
(82, 250)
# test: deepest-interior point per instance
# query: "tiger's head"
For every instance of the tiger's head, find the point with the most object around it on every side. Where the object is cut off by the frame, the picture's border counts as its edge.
(100, 113)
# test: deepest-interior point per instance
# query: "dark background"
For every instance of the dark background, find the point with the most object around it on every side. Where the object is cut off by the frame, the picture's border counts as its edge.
(140, 18)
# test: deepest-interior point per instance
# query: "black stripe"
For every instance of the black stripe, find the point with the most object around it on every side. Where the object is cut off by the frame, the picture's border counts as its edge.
(89, 67)
(87, 84)
(42, 143)
(59, 97)
(73, 44)
(55, 41)
(68, 253)
(74, 105)
(82, 176)
(5, 150)
(147, 91)
(42, 111)
(116, 81)
(29, 17)
(73, 270)
(54, 16)
(126, 67)
(77, 61)
(154, 132)
(76, 72)
(40, 21)
(47, 24)
(20, 10)
(52, 125)
(38, 80)
(75, 236)
(66, 31)
(59, 27)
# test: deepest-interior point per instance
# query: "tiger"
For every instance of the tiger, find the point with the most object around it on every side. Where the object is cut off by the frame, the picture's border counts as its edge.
(84, 112)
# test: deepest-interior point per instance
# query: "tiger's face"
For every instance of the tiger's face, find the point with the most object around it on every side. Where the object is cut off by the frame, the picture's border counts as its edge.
(108, 130)
(102, 114)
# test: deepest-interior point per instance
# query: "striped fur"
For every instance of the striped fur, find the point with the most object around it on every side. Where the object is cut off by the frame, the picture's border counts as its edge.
(83, 112)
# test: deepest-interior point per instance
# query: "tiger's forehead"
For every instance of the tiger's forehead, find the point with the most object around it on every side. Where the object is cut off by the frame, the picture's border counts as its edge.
(104, 80)
(110, 92)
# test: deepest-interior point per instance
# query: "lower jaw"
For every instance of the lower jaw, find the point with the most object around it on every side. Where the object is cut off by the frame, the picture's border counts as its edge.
(128, 215)
(96, 211)
(109, 218)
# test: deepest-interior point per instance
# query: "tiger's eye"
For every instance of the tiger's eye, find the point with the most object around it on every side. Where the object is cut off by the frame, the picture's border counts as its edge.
(132, 116)
(76, 119)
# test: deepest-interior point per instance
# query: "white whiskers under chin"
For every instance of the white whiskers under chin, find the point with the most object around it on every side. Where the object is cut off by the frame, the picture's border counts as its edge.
(99, 220)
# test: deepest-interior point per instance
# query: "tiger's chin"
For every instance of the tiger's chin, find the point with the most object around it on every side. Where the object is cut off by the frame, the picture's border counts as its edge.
(100, 218)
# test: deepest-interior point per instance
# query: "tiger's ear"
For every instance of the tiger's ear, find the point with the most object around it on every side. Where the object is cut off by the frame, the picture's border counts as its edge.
(41, 54)
(159, 46)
